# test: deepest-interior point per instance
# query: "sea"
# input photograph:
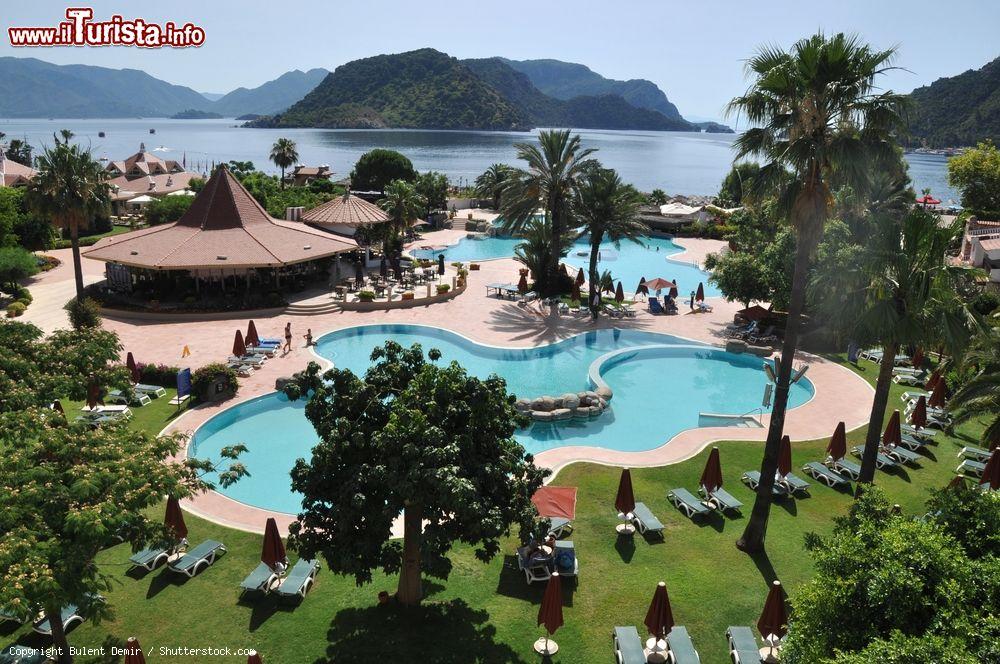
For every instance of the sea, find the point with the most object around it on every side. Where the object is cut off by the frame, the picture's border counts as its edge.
(676, 162)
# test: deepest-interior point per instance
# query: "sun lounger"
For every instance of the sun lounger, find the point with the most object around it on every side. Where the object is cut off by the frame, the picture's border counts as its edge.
(153, 391)
(628, 646)
(654, 306)
(681, 649)
(535, 565)
(299, 580)
(255, 361)
(925, 434)
(845, 467)
(688, 503)
(970, 467)
(119, 397)
(752, 479)
(723, 500)
(560, 526)
(743, 647)
(912, 442)
(266, 351)
(241, 369)
(645, 520)
(903, 371)
(829, 477)
(975, 453)
(198, 558)
(149, 559)
(795, 484)
(913, 395)
(912, 379)
(258, 581)
(70, 617)
(901, 454)
(881, 460)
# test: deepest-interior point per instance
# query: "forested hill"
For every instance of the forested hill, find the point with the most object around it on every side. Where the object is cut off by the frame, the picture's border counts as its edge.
(958, 110)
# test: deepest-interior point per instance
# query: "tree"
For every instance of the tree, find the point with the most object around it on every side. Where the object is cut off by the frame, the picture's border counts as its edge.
(167, 209)
(284, 154)
(240, 169)
(403, 204)
(491, 182)
(377, 168)
(979, 398)
(411, 437)
(19, 151)
(735, 189)
(658, 197)
(977, 174)
(15, 264)
(555, 167)
(814, 110)
(433, 186)
(905, 294)
(535, 249)
(70, 188)
(606, 209)
(741, 277)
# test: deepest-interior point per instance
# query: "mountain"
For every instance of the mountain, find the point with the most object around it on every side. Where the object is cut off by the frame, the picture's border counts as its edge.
(605, 111)
(959, 110)
(213, 96)
(271, 97)
(31, 88)
(419, 89)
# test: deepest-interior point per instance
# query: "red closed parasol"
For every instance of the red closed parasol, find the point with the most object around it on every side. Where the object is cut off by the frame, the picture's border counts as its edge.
(625, 498)
(254, 658)
(938, 394)
(699, 296)
(659, 618)
(580, 278)
(785, 457)
(933, 380)
(619, 293)
(133, 652)
(642, 287)
(93, 392)
(711, 477)
(252, 339)
(893, 434)
(239, 348)
(133, 368)
(576, 294)
(918, 417)
(550, 615)
(273, 551)
(837, 449)
(174, 519)
(918, 358)
(522, 284)
(773, 621)
(991, 474)
(674, 290)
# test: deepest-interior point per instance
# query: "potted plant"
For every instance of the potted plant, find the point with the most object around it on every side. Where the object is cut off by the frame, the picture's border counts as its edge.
(366, 296)
(443, 288)
(408, 295)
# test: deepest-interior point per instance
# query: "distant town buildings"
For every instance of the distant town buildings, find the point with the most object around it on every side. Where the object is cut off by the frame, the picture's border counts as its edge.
(144, 176)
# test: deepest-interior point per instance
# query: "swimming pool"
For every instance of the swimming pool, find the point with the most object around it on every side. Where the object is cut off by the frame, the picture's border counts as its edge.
(659, 391)
(628, 263)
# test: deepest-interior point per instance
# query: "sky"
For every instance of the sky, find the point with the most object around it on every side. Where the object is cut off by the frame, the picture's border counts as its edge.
(694, 51)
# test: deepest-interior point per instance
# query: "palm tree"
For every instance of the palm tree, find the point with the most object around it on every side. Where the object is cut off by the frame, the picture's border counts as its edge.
(70, 188)
(403, 204)
(980, 397)
(814, 111)
(606, 208)
(491, 182)
(535, 249)
(284, 154)
(555, 167)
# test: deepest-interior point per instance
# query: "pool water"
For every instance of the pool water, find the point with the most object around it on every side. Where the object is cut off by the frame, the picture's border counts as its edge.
(628, 263)
(658, 392)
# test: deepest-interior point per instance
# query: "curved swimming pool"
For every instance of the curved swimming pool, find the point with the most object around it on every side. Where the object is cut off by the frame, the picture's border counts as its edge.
(628, 263)
(659, 391)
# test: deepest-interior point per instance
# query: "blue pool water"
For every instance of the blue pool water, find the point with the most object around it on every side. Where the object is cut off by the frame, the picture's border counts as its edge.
(657, 394)
(628, 263)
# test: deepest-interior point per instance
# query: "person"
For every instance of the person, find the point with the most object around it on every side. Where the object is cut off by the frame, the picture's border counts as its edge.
(309, 337)
(288, 338)
(691, 302)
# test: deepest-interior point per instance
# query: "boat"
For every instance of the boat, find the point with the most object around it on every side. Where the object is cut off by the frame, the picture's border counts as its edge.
(100, 134)
(152, 131)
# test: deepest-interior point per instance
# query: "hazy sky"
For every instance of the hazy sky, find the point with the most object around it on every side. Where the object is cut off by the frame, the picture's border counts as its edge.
(692, 50)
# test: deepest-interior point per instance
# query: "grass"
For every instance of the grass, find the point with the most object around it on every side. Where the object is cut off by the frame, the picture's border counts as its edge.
(486, 612)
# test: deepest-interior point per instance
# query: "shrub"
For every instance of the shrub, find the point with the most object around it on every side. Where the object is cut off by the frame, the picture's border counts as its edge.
(366, 296)
(167, 209)
(205, 378)
(15, 309)
(273, 299)
(83, 313)
(16, 263)
(443, 288)
(158, 374)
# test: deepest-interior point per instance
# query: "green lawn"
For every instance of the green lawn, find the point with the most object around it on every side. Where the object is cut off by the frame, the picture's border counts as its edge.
(486, 613)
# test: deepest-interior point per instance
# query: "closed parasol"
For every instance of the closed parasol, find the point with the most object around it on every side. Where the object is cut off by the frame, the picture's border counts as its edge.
(711, 477)
(239, 347)
(837, 449)
(252, 339)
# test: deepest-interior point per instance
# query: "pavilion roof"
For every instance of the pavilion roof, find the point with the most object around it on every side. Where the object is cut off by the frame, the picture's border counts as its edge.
(348, 211)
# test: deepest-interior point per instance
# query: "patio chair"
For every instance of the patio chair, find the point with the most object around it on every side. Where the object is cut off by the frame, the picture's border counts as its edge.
(881, 460)
(975, 453)
(912, 442)
(564, 558)
(153, 391)
(150, 558)
(743, 648)
(687, 502)
(70, 618)
(628, 646)
(645, 520)
(138, 398)
(258, 581)
(299, 580)
(241, 369)
(535, 567)
(845, 467)
(923, 434)
(197, 559)
(913, 395)
(752, 479)
(560, 526)
(831, 478)
(681, 649)
(970, 467)
(795, 484)
(901, 454)
(654, 306)
(722, 500)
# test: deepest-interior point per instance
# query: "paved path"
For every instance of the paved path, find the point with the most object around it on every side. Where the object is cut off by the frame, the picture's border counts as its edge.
(50, 291)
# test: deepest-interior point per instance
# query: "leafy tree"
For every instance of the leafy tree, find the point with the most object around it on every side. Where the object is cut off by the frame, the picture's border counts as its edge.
(555, 167)
(979, 398)
(900, 648)
(167, 209)
(977, 174)
(240, 169)
(411, 437)
(15, 264)
(377, 168)
(606, 209)
(736, 187)
(284, 154)
(71, 189)
(196, 184)
(658, 197)
(535, 249)
(83, 313)
(814, 110)
(19, 151)
(741, 276)
(491, 182)
(403, 203)
(433, 186)
(11, 213)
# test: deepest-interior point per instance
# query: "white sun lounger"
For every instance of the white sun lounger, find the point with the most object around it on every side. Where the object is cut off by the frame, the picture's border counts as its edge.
(975, 453)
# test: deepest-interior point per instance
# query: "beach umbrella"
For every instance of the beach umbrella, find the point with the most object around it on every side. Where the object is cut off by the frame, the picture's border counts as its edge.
(927, 199)
(441, 265)
(756, 312)
(837, 449)
(273, 551)
(173, 519)
(133, 368)
(625, 498)
(773, 621)
(918, 417)
(254, 658)
(938, 394)
(656, 284)
(619, 293)
(711, 477)
(933, 380)
(58, 407)
(918, 358)
(252, 339)
(133, 652)
(550, 614)
(555, 502)
(659, 618)
(700, 295)
(239, 347)
(562, 269)
(576, 295)
(580, 278)
(785, 457)
(359, 271)
(893, 434)
(522, 285)
(674, 292)
(642, 287)
(93, 392)
(991, 474)
(383, 267)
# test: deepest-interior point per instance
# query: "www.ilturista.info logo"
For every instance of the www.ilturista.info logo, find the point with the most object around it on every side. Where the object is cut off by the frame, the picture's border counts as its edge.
(80, 30)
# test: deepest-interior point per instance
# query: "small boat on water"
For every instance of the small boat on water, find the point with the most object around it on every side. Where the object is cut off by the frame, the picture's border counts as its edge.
(152, 131)
(100, 134)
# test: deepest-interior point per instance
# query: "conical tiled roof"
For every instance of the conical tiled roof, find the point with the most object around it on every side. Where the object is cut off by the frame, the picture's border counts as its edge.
(225, 227)
(346, 211)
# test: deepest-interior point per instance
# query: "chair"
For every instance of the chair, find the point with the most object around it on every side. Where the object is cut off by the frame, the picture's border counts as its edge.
(752, 479)
(681, 649)
(196, 560)
(912, 442)
(70, 618)
(535, 568)
(901, 454)
(831, 478)
(881, 460)
(564, 559)
(645, 520)
(153, 391)
(560, 526)
(743, 647)
(628, 646)
(795, 484)
(923, 434)
(654, 306)
(913, 395)
(149, 559)
(260, 580)
(975, 453)
(845, 467)
(138, 398)
(685, 501)
(723, 500)
(299, 580)
(970, 467)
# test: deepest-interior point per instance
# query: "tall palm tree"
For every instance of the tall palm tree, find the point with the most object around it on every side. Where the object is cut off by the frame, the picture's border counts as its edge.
(70, 188)
(535, 248)
(980, 396)
(813, 111)
(491, 182)
(403, 204)
(606, 208)
(555, 166)
(284, 154)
